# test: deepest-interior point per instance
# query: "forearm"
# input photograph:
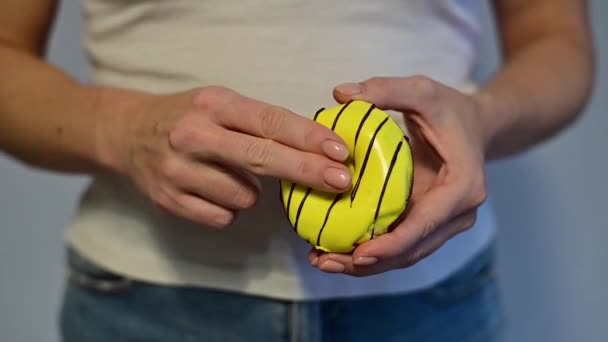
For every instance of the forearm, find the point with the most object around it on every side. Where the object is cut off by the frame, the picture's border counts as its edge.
(49, 120)
(547, 75)
(535, 94)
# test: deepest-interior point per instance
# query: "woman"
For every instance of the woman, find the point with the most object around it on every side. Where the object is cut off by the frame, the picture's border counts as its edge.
(197, 108)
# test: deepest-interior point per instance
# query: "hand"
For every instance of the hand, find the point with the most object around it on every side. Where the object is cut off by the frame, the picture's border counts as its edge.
(197, 153)
(448, 147)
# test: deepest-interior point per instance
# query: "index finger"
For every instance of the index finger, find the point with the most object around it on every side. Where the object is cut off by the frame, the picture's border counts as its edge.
(283, 126)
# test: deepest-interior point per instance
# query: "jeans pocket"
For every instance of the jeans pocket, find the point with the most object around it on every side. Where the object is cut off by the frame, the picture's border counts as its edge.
(477, 276)
(84, 274)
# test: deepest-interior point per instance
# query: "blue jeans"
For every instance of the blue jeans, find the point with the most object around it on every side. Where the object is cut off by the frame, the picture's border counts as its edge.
(100, 306)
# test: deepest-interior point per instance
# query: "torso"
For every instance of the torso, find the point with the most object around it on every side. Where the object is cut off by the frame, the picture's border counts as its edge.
(286, 52)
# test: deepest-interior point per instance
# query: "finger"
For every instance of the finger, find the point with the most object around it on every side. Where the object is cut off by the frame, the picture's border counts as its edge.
(260, 156)
(427, 212)
(438, 238)
(283, 126)
(343, 263)
(216, 184)
(416, 97)
(196, 209)
(313, 256)
(246, 176)
(422, 250)
(333, 262)
(195, 137)
(269, 158)
(414, 93)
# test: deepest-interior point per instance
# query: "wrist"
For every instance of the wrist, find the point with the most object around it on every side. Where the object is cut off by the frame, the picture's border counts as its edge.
(496, 115)
(116, 111)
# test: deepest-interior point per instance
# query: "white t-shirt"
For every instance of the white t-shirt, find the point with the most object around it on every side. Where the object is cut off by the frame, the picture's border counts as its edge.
(286, 52)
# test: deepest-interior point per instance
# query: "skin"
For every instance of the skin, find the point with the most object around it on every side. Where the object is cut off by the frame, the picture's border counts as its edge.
(195, 154)
(542, 87)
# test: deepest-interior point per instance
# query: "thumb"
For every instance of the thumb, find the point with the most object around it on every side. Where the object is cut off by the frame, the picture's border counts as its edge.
(389, 93)
(380, 91)
(349, 91)
(413, 96)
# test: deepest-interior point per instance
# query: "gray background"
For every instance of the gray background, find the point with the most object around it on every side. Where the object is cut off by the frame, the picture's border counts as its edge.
(551, 204)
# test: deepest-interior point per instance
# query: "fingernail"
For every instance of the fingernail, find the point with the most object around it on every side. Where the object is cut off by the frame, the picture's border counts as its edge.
(315, 261)
(333, 267)
(337, 178)
(335, 150)
(365, 261)
(349, 89)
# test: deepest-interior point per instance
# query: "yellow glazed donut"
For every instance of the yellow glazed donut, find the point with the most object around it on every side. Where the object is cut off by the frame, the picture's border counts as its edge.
(381, 163)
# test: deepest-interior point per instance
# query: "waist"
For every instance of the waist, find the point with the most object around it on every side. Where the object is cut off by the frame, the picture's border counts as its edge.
(121, 230)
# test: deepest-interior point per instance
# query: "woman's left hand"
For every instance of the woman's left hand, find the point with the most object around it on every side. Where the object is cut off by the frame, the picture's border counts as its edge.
(448, 145)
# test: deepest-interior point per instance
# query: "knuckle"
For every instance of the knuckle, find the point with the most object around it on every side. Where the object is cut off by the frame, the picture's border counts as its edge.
(172, 170)
(313, 135)
(272, 120)
(423, 84)
(258, 154)
(427, 228)
(184, 135)
(412, 258)
(424, 88)
(479, 196)
(423, 253)
(209, 97)
(380, 82)
(222, 219)
(161, 200)
(407, 261)
(468, 222)
(304, 168)
(245, 198)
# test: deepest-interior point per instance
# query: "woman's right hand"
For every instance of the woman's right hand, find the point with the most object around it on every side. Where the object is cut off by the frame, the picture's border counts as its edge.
(198, 153)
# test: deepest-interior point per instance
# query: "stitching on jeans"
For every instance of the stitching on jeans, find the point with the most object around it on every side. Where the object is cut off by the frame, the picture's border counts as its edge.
(293, 323)
(101, 285)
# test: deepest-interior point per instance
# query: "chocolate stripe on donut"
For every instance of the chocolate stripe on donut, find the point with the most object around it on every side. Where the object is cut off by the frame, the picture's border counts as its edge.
(367, 154)
(293, 186)
(317, 113)
(339, 114)
(338, 196)
(388, 176)
(295, 226)
(361, 125)
(333, 126)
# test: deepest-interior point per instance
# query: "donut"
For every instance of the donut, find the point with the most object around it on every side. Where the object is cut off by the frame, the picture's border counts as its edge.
(381, 163)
